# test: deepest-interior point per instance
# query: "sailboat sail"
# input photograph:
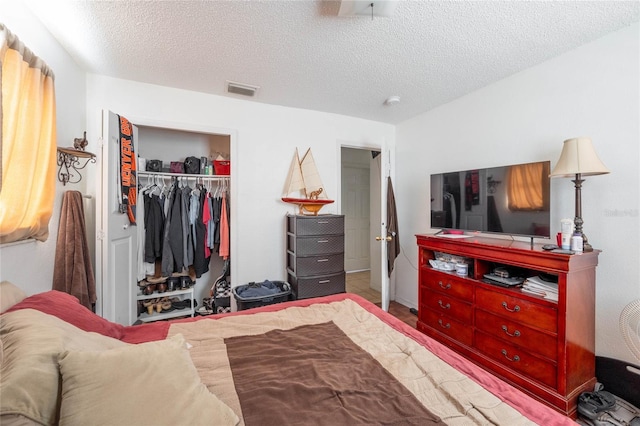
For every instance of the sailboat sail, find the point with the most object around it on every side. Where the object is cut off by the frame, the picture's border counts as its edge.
(295, 182)
(304, 186)
(312, 183)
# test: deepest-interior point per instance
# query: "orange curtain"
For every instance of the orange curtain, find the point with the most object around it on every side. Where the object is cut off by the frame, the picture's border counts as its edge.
(527, 186)
(28, 113)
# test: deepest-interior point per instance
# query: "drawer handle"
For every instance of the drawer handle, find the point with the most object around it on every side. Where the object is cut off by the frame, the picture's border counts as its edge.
(446, 287)
(447, 325)
(506, 331)
(324, 281)
(323, 260)
(447, 306)
(515, 309)
(515, 358)
(323, 221)
(323, 241)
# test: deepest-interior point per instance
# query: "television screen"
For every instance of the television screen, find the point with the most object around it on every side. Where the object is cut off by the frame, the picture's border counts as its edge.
(509, 200)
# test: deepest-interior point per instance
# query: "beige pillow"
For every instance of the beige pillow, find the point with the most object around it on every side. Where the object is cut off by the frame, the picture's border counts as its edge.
(9, 295)
(152, 383)
(30, 377)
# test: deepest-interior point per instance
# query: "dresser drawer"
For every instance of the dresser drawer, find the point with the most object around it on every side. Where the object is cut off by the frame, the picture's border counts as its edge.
(517, 310)
(517, 359)
(317, 286)
(328, 224)
(448, 284)
(315, 265)
(321, 244)
(457, 330)
(446, 305)
(518, 334)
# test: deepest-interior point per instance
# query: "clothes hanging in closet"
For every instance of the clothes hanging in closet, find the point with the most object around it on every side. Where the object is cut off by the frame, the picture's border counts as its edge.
(168, 264)
(182, 226)
(224, 229)
(201, 255)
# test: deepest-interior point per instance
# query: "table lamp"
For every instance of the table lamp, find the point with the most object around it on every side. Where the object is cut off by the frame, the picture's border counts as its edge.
(578, 158)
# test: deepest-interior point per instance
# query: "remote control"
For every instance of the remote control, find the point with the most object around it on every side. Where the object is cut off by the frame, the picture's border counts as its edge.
(563, 251)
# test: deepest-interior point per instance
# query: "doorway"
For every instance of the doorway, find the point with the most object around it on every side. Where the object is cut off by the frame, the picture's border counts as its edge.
(360, 201)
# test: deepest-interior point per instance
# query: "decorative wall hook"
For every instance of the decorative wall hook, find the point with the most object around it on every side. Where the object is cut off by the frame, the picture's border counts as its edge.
(70, 161)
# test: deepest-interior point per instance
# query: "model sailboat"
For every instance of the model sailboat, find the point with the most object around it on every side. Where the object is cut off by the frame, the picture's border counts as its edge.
(304, 187)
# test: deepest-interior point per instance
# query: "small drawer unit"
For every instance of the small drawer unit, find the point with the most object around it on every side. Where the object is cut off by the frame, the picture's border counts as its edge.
(315, 255)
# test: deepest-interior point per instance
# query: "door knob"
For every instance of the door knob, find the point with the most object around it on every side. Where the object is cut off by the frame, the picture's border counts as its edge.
(383, 238)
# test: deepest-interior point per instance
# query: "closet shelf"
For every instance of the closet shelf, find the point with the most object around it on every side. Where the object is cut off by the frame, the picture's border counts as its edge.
(156, 295)
(162, 174)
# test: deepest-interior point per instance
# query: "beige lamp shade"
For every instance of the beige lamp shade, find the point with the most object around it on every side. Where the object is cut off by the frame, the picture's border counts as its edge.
(578, 157)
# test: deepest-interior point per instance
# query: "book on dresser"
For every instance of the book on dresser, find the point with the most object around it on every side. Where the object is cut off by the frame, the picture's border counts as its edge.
(315, 255)
(539, 337)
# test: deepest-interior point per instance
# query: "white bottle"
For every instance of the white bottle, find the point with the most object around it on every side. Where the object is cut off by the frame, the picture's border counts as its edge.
(577, 243)
(566, 228)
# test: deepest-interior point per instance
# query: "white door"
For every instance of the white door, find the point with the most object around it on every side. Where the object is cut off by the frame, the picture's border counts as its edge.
(355, 194)
(384, 278)
(116, 249)
(378, 228)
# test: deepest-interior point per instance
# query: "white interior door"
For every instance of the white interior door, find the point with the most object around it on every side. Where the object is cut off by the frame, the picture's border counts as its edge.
(117, 245)
(379, 168)
(355, 196)
(382, 242)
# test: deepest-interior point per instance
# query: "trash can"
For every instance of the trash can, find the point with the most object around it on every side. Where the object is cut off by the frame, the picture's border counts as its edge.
(265, 293)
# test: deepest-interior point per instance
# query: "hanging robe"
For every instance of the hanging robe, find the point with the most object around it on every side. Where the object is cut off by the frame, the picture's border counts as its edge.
(72, 271)
(393, 246)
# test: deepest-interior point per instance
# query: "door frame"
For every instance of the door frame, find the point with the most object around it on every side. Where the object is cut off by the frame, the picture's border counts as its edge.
(386, 169)
(101, 198)
(346, 166)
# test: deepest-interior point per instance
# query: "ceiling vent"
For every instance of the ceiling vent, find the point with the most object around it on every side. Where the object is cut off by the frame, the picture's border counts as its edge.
(241, 89)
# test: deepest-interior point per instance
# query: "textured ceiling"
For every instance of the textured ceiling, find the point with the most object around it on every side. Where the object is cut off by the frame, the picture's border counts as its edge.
(302, 54)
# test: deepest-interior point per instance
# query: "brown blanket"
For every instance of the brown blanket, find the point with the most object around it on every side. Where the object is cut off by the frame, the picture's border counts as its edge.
(329, 378)
(72, 272)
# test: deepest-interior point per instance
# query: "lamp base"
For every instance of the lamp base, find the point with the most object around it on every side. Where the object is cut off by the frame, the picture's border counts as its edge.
(586, 247)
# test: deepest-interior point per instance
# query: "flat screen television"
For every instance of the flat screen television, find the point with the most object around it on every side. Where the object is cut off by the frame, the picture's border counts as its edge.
(510, 200)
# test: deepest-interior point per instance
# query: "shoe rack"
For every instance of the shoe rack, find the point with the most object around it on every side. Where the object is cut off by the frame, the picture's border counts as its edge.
(163, 315)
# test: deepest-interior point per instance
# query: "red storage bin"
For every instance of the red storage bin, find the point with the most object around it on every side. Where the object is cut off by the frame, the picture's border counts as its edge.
(222, 167)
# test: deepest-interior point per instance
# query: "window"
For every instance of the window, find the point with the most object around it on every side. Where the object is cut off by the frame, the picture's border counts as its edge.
(28, 142)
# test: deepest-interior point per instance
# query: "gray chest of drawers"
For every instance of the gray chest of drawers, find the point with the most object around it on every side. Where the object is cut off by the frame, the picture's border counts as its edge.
(315, 255)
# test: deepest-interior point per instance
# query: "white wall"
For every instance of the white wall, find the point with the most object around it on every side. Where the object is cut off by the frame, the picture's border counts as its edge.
(30, 265)
(266, 138)
(591, 91)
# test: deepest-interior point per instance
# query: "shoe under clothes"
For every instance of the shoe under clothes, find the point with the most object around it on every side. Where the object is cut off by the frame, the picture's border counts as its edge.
(222, 296)
(601, 408)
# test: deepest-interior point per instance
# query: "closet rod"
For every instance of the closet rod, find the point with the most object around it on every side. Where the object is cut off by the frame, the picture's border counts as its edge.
(162, 174)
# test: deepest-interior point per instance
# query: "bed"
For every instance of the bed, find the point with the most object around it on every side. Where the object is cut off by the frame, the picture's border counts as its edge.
(336, 360)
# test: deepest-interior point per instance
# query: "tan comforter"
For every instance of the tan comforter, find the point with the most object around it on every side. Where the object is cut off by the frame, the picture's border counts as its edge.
(445, 392)
(237, 358)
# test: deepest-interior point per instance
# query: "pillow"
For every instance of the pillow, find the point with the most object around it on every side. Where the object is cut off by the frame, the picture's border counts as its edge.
(31, 342)
(68, 308)
(9, 295)
(151, 383)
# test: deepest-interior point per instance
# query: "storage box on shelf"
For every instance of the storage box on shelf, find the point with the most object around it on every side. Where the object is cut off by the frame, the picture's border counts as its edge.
(544, 347)
(315, 255)
(157, 316)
